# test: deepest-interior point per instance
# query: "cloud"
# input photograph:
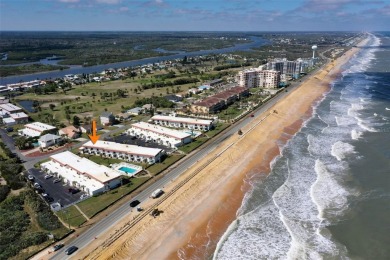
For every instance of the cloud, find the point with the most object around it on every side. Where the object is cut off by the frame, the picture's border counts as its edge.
(69, 1)
(155, 3)
(110, 2)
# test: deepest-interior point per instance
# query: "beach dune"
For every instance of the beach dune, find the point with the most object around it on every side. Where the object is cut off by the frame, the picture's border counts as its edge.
(195, 217)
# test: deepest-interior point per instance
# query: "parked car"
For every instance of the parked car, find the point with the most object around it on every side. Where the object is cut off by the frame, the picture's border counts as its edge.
(139, 209)
(73, 190)
(48, 176)
(252, 115)
(37, 185)
(134, 203)
(58, 247)
(71, 250)
(30, 177)
(84, 196)
(56, 180)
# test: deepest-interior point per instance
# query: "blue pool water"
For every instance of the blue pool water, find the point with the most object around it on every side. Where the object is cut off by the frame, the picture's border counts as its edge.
(127, 170)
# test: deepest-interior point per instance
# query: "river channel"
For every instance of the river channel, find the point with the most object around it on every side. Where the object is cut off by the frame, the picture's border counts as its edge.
(256, 42)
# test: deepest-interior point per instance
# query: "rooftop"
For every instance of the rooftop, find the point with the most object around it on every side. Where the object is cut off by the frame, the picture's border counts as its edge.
(100, 173)
(161, 130)
(183, 119)
(40, 127)
(125, 148)
(9, 107)
(48, 137)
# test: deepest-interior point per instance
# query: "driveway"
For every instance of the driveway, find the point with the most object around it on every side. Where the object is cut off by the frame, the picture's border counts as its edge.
(58, 191)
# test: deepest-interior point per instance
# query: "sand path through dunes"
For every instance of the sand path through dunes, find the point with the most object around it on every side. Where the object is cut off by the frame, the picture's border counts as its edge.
(217, 191)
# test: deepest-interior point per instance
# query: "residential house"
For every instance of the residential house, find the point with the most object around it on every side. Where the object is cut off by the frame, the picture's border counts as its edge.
(107, 118)
(70, 132)
(48, 140)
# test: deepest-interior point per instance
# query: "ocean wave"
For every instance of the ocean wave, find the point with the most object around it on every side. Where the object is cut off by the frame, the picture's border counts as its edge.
(340, 150)
(355, 134)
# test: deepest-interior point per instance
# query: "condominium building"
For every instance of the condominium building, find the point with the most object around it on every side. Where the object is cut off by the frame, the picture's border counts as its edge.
(248, 78)
(36, 129)
(292, 69)
(219, 101)
(268, 79)
(158, 134)
(131, 153)
(182, 122)
(82, 173)
(257, 77)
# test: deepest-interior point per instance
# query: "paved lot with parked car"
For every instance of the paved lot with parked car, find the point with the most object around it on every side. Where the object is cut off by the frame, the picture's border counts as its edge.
(56, 191)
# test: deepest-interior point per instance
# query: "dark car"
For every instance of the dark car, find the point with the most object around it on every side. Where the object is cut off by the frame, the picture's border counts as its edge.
(73, 191)
(71, 250)
(57, 180)
(58, 247)
(134, 203)
(252, 115)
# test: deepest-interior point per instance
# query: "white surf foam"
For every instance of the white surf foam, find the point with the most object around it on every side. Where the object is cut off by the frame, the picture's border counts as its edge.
(340, 150)
(355, 134)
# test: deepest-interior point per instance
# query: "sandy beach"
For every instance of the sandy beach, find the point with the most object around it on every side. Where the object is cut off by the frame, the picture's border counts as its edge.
(196, 216)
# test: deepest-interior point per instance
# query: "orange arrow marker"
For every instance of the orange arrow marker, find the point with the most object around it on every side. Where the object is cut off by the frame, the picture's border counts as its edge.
(93, 136)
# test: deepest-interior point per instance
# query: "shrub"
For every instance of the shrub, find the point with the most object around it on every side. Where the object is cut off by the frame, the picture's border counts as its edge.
(4, 190)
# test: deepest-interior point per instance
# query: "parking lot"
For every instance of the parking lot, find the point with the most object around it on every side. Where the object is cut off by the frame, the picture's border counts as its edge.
(57, 191)
(127, 139)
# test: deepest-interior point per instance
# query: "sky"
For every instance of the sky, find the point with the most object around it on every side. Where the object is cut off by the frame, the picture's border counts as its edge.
(195, 15)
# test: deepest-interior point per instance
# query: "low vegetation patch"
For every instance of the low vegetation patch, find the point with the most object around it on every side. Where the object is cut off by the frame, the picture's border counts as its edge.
(26, 221)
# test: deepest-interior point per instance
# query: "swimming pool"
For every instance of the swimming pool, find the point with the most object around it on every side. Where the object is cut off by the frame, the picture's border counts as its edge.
(128, 170)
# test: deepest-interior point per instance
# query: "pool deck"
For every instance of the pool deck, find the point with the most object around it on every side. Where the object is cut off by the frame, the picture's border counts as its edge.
(128, 165)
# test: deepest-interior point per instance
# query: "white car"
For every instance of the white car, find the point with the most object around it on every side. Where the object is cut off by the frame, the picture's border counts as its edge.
(30, 177)
(48, 176)
(84, 196)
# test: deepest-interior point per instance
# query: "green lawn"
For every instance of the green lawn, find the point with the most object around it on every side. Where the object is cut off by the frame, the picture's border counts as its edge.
(94, 205)
(193, 145)
(218, 128)
(71, 216)
(159, 167)
(101, 160)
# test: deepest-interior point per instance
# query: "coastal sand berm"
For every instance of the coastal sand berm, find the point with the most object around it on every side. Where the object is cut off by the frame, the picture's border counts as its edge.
(203, 208)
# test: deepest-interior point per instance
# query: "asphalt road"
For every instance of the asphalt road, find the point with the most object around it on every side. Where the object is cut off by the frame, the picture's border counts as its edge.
(105, 224)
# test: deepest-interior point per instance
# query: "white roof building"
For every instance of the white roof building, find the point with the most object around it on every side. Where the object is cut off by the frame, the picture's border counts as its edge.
(48, 140)
(83, 173)
(126, 152)
(182, 122)
(11, 108)
(9, 121)
(159, 134)
(20, 117)
(36, 129)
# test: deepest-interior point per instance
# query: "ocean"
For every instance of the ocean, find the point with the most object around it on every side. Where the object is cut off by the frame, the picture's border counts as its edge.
(328, 193)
